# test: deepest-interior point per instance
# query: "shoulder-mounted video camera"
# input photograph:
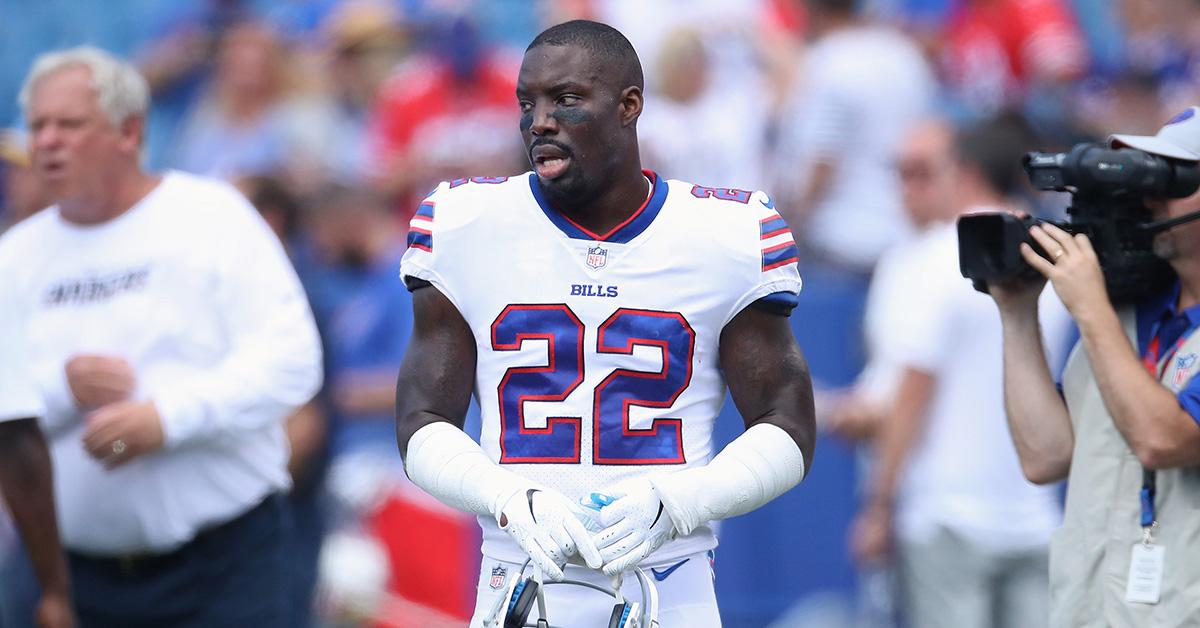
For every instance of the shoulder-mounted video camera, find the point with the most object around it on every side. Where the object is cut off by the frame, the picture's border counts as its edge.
(1108, 189)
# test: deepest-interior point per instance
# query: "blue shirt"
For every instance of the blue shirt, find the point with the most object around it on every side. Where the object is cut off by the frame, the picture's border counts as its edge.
(368, 315)
(1156, 316)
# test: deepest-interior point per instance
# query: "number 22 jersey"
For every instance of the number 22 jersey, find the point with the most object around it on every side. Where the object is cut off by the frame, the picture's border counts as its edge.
(597, 353)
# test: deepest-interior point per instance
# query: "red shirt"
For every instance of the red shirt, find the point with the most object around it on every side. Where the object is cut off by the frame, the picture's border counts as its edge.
(995, 48)
(444, 127)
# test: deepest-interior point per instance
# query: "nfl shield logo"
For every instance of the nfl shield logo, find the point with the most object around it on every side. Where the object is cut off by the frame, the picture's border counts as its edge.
(1183, 368)
(498, 576)
(597, 257)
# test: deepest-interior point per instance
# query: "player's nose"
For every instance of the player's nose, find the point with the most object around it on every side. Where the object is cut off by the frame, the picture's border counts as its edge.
(544, 122)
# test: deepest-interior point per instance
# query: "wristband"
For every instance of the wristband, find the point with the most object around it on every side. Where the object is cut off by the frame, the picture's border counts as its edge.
(452, 467)
(758, 466)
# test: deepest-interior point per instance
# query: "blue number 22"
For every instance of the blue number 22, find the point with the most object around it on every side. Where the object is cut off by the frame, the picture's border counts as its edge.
(613, 440)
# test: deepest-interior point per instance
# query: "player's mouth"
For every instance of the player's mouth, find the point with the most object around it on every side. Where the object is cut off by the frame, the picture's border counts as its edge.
(549, 161)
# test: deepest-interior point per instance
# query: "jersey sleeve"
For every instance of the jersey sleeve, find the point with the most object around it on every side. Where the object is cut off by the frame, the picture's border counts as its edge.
(431, 246)
(776, 286)
(19, 397)
(417, 267)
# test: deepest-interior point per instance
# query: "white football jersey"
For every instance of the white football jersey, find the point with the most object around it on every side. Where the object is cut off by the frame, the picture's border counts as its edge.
(598, 353)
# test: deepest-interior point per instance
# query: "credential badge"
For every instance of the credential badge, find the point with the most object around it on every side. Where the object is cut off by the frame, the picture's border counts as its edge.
(597, 257)
(499, 574)
(1183, 368)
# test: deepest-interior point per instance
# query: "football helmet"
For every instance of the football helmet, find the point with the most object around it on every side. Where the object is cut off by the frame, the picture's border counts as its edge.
(512, 610)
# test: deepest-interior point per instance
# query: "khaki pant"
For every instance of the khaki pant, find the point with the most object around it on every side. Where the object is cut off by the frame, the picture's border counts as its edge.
(949, 582)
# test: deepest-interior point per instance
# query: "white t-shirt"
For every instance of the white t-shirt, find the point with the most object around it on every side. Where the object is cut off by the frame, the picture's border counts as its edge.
(192, 288)
(18, 396)
(963, 472)
(895, 278)
(860, 91)
(598, 354)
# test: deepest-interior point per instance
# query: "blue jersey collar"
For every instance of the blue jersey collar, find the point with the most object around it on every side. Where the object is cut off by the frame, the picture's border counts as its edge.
(620, 234)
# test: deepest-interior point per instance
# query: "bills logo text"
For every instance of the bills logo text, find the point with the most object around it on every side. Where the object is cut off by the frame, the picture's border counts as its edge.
(592, 290)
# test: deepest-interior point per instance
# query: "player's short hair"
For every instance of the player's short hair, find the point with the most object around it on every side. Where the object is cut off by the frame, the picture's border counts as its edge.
(121, 90)
(605, 43)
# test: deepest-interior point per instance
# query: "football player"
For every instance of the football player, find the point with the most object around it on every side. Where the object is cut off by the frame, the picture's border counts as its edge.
(598, 312)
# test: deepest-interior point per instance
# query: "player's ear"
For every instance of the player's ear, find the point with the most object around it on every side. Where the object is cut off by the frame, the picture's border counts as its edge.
(630, 105)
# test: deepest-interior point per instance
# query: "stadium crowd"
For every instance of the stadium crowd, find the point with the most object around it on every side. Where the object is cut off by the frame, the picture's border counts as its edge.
(335, 117)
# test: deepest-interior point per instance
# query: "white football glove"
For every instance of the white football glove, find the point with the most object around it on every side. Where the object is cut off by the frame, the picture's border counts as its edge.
(635, 524)
(545, 524)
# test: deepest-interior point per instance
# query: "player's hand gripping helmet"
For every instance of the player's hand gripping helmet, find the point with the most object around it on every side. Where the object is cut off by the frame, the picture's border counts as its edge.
(513, 609)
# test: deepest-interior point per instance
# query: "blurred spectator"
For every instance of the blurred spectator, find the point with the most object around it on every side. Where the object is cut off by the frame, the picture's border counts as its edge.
(446, 113)
(1130, 100)
(178, 62)
(862, 87)
(361, 243)
(164, 366)
(745, 62)
(689, 133)
(275, 203)
(1162, 39)
(245, 123)
(928, 169)
(969, 532)
(365, 43)
(22, 194)
(307, 428)
(996, 53)
(367, 322)
(26, 488)
(732, 31)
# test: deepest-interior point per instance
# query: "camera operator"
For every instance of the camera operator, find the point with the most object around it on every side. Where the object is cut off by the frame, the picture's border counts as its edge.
(1124, 430)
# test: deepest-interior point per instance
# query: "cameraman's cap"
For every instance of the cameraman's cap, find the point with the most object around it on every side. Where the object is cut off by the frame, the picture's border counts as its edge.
(1179, 138)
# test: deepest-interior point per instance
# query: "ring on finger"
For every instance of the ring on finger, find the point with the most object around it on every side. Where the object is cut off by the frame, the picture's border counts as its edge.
(1059, 253)
(118, 447)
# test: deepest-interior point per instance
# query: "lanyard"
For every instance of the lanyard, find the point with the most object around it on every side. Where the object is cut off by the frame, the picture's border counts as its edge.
(1149, 481)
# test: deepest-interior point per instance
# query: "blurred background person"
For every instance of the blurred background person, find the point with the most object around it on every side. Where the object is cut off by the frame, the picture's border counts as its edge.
(359, 243)
(687, 130)
(22, 193)
(307, 429)
(863, 85)
(240, 125)
(447, 112)
(27, 489)
(945, 497)
(927, 168)
(1159, 39)
(366, 319)
(998, 54)
(703, 60)
(165, 369)
(178, 60)
(365, 41)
